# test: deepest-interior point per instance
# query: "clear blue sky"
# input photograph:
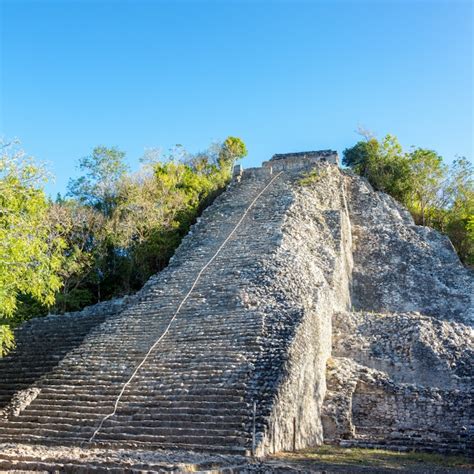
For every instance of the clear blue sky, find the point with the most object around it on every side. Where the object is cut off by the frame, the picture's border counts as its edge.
(284, 76)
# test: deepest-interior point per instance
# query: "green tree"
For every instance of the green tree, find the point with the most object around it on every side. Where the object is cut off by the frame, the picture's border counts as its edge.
(459, 220)
(383, 163)
(116, 229)
(103, 170)
(231, 150)
(30, 256)
(428, 174)
(159, 204)
(361, 155)
(83, 231)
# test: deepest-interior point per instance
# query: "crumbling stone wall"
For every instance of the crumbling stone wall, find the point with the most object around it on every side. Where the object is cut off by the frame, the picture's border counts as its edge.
(401, 371)
(412, 416)
(399, 266)
(301, 160)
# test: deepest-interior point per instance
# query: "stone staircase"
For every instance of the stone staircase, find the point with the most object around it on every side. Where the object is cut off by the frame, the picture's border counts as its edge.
(195, 390)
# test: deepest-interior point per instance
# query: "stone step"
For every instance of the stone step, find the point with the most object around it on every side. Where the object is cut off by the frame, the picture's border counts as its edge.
(204, 440)
(154, 400)
(223, 338)
(188, 411)
(199, 366)
(139, 391)
(170, 414)
(124, 444)
(45, 467)
(6, 387)
(68, 466)
(213, 373)
(186, 378)
(167, 382)
(176, 437)
(141, 419)
(116, 426)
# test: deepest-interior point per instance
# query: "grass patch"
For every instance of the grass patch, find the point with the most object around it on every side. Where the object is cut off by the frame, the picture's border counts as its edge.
(376, 458)
(312, 177)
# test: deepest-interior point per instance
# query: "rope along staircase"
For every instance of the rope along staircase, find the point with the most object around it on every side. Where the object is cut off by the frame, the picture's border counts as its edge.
(171, 370)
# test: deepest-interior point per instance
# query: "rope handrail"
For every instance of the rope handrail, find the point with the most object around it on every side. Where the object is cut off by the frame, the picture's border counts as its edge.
(183, 301)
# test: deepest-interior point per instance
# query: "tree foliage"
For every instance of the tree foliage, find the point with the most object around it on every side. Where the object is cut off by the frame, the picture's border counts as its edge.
(231, 150)
(437, 195)
(97, 187)
(425, 182)
(382, 163)
(30, 256)
(83, 230)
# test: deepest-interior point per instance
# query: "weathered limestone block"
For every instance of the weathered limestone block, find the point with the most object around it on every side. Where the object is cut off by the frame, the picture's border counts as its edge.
(399, 266)
(302, 159)
(409, 347)
(19, 402)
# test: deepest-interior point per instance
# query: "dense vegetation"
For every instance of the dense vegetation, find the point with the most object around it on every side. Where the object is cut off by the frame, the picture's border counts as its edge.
(107, 236)
(437, 195)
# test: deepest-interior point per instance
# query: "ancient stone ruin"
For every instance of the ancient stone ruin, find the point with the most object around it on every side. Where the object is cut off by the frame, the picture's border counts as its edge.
(314, 310)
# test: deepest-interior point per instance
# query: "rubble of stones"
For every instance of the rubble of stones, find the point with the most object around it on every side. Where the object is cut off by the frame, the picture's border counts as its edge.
(103, 459)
